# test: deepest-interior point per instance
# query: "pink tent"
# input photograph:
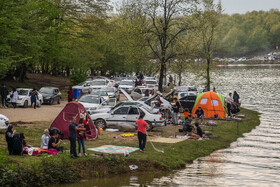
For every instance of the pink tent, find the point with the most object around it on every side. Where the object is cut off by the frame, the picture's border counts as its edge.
(63, 119)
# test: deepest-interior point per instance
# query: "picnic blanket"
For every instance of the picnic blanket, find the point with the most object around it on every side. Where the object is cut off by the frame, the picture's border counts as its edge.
(113, 149)
(166, 140)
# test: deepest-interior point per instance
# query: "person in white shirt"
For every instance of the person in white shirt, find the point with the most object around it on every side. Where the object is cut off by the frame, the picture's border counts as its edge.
(14, 97)
(45, 139)
(229, 102)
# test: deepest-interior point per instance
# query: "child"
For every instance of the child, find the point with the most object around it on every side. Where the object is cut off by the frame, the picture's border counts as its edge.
(186, 114)
(81, 137)
(199, 130)
(141, 128)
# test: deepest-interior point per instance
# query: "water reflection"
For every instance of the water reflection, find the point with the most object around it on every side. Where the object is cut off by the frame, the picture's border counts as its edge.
(254, 159)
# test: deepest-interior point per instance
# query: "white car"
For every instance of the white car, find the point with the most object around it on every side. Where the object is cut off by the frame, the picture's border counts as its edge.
(94, 104)
(100, 93)
(127, 115)
(127, 85)
(24, 98)
(99, 84)
(184, 94)
(149, 78)
(4, 122)
(84, 86)
(139, 92)
(153, 84)
(112, 92)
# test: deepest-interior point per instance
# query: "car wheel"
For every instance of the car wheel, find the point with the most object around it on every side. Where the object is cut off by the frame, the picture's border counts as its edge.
(150, 126)
(41, 102)
(51, 101)
(100, 123)
(58, 101)
(118, 99)
(25, 104)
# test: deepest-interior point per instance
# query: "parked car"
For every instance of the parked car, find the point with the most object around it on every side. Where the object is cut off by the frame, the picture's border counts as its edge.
(184, 94)
(153, 84)
(143, 99)
(101, 93)
(112, 92)
(4, 122)
(188, 102)
(139, 92)
(149, 78)
(84, 86)
(100, 84)
(94, 104)
(50, 95)
(24, 98)
(127, 85)
(126, 115)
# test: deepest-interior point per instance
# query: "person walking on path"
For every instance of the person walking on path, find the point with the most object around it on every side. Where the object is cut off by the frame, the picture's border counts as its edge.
(73, 127)
(34, 96)
(141, 132)
(14, 97)
(4, 93)
(70, 94)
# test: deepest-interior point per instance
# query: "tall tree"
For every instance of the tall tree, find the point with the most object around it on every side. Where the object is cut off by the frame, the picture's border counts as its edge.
(163, 23)
(208, 21)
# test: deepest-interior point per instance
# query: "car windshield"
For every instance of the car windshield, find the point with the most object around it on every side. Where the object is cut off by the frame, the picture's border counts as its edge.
(126, 83)
(46, 90)
(99, 92)
(151, 82)
(89, 99)
(144, 89)
(22, 92)
(99, 83)
(108, 89)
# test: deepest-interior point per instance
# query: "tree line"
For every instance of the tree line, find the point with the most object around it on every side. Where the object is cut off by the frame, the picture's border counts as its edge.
(78, 38)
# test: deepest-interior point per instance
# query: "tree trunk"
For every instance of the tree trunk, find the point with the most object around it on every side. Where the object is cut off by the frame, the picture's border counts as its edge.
(180, 78)
(92, 73)
(67, 71)
(208, 73)
(162, 67)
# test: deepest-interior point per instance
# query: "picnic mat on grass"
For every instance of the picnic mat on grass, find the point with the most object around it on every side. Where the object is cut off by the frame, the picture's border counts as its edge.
(113, 149)
(166, 140)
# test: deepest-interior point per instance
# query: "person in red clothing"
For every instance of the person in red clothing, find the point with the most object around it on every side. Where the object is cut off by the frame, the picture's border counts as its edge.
(141, 128)
(70, 94)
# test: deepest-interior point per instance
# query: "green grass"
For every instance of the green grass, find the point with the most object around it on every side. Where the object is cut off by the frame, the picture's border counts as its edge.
(175, 156)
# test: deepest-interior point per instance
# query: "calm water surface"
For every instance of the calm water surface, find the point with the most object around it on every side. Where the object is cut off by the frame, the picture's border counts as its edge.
(253, 160)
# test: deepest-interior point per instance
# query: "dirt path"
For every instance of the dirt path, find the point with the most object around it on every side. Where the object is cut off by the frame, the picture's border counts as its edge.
(44, 113)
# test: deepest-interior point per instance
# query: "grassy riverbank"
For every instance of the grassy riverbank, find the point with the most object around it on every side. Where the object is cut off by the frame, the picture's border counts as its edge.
(46, 170)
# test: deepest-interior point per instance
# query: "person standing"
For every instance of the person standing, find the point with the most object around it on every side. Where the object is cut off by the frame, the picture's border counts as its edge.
(73, 127)
(70, 94)
(14, 97)
(176, 109)
(4, 93)
(141, 132)
(229, 102)
(9, 138)
(236, 97)
(81, 136)
(34, 96)
(147, 92)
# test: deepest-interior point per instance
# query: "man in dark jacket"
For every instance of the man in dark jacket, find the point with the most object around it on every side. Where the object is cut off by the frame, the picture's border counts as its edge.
(4, 93)
(73, 127)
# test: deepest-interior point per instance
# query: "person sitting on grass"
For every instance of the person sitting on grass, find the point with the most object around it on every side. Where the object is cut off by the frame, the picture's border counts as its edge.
(141, 128)
(186, 114)
(199, 113)
(54, 143)
(45, 139)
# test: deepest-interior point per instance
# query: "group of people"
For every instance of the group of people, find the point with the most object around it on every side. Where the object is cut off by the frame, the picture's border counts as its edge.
(232, 103)
(14, 96)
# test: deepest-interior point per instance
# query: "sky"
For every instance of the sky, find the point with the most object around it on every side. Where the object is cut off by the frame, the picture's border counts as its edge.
(243, 6)
(240, 6)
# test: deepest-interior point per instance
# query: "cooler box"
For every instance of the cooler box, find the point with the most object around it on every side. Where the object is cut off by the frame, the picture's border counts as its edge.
(77, 93)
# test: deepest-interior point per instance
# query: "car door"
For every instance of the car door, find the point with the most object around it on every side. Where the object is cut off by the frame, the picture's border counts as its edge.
(133, 115)
(137, 94)
(118, 116)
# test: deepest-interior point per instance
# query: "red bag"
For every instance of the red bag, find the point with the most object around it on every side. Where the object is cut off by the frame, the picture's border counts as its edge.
(52, 151)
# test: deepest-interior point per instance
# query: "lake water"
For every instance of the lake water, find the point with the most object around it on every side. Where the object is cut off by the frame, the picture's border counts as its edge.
(253, 160)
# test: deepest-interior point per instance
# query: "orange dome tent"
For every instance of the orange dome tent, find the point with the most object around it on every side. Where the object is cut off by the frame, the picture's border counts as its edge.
(212, 103)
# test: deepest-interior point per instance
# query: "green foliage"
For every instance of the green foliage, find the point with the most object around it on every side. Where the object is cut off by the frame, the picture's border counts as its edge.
(77, 78)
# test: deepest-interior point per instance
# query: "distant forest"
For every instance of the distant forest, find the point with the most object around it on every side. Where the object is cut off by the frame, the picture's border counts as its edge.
(58, 37)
